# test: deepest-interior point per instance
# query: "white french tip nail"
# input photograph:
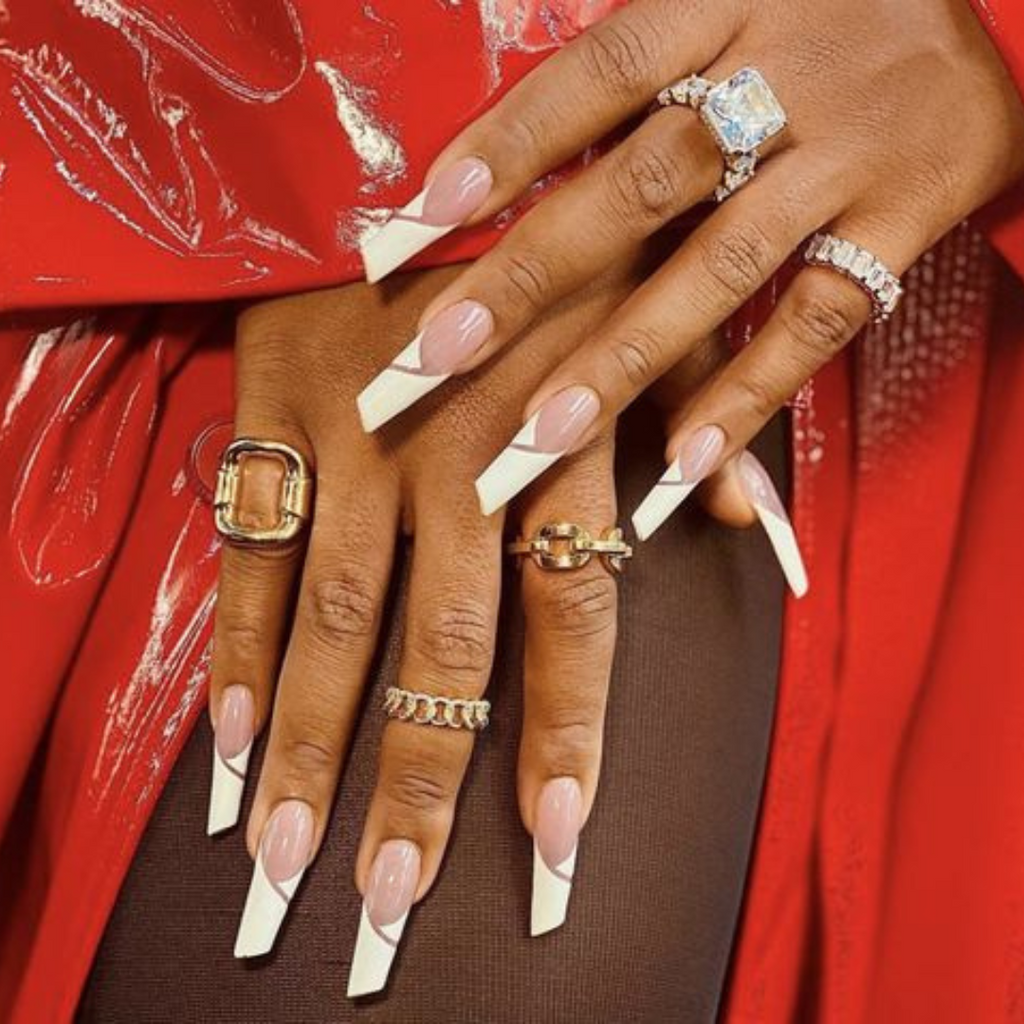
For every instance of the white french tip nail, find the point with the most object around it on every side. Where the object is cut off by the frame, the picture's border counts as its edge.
(397, 387)
(551, 891)
(787, 551)
(761, 492)
(265, 910)
(516, 467)
(375, 949)
(226, 789)
(400, 239)
(661, 501)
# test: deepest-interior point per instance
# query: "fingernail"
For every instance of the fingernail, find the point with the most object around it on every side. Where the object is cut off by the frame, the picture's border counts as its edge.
(556, 830)
(389, 894)
(761, 493)
(547, 435)
(454, 195)
(696, 460)
(447, 341)
(285, 848)
(232, 744)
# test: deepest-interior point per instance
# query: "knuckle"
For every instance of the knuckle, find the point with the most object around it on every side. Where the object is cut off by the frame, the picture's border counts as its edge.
(417, 789)
(648, 183)
(342, 608)
(456, 638)
(737, 261)
(619, 56)
(821, 322)
(578, 608)
(569, 735)
(311, 754)
(759, 395)
(638, 355)
(239, 640)
(527, 280)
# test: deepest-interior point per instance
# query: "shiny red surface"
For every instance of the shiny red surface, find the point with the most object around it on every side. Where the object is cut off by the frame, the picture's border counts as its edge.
(887, 883)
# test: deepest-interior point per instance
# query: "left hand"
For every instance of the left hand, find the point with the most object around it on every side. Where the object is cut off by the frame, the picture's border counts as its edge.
(901, 121)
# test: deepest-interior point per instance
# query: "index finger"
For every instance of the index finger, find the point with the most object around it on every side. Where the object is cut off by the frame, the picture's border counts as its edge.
(585, 90)
(570, 101)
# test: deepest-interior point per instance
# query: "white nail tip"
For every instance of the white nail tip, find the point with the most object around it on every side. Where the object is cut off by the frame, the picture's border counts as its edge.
(787, 550)
(393, 390)
(550, 893)
(662, 500)
(513, 470)
(226, 789)
(399, 240)
(371, 962)
(265, 910)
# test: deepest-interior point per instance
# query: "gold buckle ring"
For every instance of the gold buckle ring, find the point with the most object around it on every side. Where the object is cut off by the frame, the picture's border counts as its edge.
(560, 547)
(295, 501)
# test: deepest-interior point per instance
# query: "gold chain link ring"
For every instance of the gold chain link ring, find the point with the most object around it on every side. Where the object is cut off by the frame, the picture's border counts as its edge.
(562, 547)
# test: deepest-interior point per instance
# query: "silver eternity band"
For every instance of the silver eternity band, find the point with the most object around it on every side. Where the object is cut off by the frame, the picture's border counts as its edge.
(862, 267)
(742, 114)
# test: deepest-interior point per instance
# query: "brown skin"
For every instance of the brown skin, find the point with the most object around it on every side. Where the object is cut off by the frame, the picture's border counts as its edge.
(903, 121)
(301, 362)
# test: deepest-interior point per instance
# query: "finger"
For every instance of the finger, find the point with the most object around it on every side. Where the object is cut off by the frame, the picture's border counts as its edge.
(253, 595)
(337, 619)
(570, 641)
(818, 315)
(723, 264)
(450, 625)
(570, 101)
(665, 167)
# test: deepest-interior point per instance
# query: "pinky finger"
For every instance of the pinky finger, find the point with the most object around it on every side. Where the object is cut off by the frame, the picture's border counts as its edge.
(817, 317)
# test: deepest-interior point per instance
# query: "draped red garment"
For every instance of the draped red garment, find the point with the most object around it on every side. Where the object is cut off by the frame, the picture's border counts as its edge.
(155, 151)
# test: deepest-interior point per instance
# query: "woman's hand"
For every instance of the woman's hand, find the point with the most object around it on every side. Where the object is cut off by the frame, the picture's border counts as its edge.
(297, 625)
(902, 121)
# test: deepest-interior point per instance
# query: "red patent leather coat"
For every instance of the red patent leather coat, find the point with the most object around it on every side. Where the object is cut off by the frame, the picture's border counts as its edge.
(154, 151)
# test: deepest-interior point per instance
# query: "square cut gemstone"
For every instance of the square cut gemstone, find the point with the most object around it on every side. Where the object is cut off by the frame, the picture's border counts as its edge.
(744, 112)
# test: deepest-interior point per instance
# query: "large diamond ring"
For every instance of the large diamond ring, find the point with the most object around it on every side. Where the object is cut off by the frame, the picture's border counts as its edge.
(860, 266)
(742, 114)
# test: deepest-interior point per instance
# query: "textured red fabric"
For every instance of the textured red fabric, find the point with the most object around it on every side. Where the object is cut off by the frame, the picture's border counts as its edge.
(886, 883)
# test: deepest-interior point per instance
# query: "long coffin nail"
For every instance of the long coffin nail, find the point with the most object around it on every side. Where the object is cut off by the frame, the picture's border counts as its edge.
(696, 460)
(547, 435)
(761, 493)
(555, 838)
(447, 341)
(389, 894)
(232, 744)
(454, 195)
(285, 849)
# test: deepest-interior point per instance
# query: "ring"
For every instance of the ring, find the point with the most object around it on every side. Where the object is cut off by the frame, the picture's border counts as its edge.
(742, 114)
(865, 269)
(559, 547)
(294, 500)
(425, 709)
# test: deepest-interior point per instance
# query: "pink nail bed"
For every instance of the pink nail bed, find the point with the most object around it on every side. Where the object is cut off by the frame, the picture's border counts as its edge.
(393, 880)
(457, 192)
(564, 417)
(236, 721)
(701, 453)
(557, 821)
(759, 487)
(287, 840)
(453, 336)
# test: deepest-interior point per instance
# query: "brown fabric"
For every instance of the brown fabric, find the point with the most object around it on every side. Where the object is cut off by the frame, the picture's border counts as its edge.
(661, 865)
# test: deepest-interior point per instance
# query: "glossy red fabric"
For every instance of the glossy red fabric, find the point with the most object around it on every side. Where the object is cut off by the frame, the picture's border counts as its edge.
(161, 150)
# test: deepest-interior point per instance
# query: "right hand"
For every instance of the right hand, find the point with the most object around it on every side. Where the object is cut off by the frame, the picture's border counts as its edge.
(303, 660)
